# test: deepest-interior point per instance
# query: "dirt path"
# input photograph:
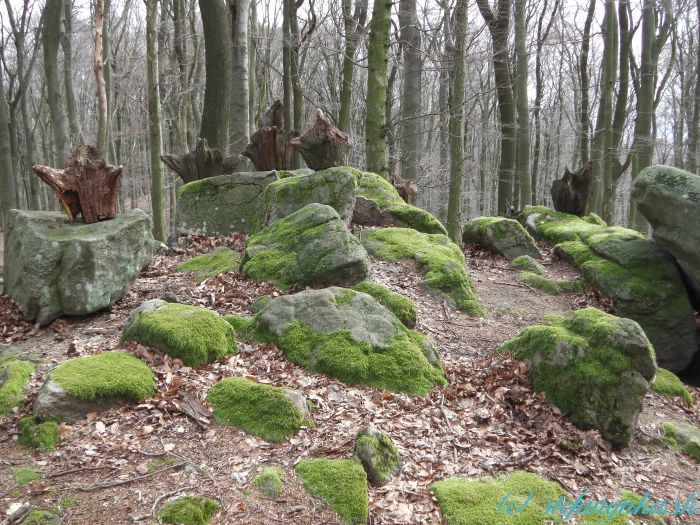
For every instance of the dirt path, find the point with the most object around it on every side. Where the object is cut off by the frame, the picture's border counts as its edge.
(487, 421)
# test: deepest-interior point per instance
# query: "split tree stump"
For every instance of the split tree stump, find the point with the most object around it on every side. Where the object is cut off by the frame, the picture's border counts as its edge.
(570, 193)
(201, 163)
(324, 145)
(87, 186)
(269, 147)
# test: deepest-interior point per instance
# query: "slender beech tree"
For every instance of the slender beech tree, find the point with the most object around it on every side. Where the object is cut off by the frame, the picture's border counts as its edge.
(51, 36)
(692, 159)
(583, 116)
(252, 66)
(240, 108)
(353, 25)
(67, 46)
(411, 92)
(8, 193)
(98, 67)
(520, 81)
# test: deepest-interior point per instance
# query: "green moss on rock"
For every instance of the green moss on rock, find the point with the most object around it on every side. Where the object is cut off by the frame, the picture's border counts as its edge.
(272, 413)
(669, 385)
(189, 510)
(44, 436)
(682, 436)
(441, 260)
(500, 235)
(270, 481)
(527, 263)
(240, 323)
(378, 455)
(341, 482)
(14, 375)
(575, 286)
(193, 334)
(221, 260)
(401, 306)
(539, 282)
(258, 304)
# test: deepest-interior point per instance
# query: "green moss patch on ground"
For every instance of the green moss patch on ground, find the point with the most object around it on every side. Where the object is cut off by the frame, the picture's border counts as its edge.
(221, 260)
(189, 510)
(24, 475)
(682, 436)
(669, 385)
(539, 282)
(107, 375)
(44, 436)
(262, 410)
(14, 375)
(401, 306)
(440, 259)
(270, 481)
(341, 482)
(193, 334)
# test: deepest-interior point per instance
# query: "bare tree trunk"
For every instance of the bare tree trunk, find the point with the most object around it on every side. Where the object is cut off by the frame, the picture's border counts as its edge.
(51, 35)
(8, 194)
(252, 67)
(353, 25)
(693, 161)
(411, 93)
(584, 119)
(100, 81)
(67, 45)
(240, 120)
(522, 157)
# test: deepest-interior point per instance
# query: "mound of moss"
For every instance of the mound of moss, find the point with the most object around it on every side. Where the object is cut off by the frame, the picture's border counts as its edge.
(310, 246)
(221, 260)
(669, 385)
(500, 235)
(594, 366)
(341, 482)
(575, 286)
(270, 481)
(272, 413)
(193, 334)
(399, 305)
(14, 376)
(350, 336)
(378, 455)
(41, 517)
(239, 323)
(44, 436)
(682, 436)
(189, 510)
(639, 276)
(24, 475)
(539, 282)
(528, 264)
(440, 258)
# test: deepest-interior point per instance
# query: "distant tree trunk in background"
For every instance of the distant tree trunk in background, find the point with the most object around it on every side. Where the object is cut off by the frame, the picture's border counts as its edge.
(454, 206)
(252, 66)
(107, 73)
(286, 68)
(217, 89)
(51, 36)
(8, 193)
(584, 118)
(693, 161)
(377, 63)
(294, 76)
(240, 120)
(155, 145)
(411, 92)
(352, 25)
(522, 158)
(67, 45)
(100, 81)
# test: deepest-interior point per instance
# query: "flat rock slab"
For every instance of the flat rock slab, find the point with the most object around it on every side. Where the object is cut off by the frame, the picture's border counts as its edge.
(55, 268)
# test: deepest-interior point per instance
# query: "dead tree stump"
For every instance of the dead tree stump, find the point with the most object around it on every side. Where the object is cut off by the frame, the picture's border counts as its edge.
(406, 188)
(269, 147)
(201, 163)
(570, 194)
(324, 145)
(87, 186)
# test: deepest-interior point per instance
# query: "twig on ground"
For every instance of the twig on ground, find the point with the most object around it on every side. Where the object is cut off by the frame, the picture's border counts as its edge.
(130, 480)
(82, 469)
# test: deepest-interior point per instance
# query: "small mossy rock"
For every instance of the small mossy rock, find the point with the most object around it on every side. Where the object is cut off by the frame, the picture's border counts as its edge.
(682, 436)
(341, 482)
(640, 277)
(43, 436)
(222, 204)
(669, 198)
(500, 235)
(221, 260)
(93, 384)
(240, 323)
(527, 263)
(41, 517)
(14, 376)
(309, 247)
(55, 268)
(271, 413)
(378, 455)
(334, 187)
(399, 305)
(258, 304)
(270, 481)
(189, 510)
(594, 366)
(539, 282)
(440, 259)
(193, 334)
(669, 384)
(350, 336)
(379, 204)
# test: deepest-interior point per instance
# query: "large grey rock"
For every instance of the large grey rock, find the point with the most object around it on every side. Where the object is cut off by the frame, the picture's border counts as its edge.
(54, 268)
(501, 235)
(221, 204)
(310, 246)
(670, 200)
(54, 403)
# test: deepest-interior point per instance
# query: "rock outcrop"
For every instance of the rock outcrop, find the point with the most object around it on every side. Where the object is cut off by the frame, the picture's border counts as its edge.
(501, 235)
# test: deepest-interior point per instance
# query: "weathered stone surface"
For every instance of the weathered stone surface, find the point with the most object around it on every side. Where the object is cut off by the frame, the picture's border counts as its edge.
(378, 455)
(637, 274)
(670, 200)
(222, 204)
(594, 366)
(682, 436)
(501, 235)
(53, 268)
(310, 246)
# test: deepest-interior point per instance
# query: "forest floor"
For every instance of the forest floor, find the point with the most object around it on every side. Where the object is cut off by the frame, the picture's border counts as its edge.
(118, 467)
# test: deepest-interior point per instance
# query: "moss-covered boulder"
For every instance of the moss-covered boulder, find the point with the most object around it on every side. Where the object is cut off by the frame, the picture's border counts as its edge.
(194, 334)
(638, 275)
(272, 413)
(378, 455)
(335, 187)
(539, 282)
(500, 235)
(350, 336)
(54, 268)
(399, 305)
(379, 204)
(270, 481)
(93, 384)
(40, 435)
(594, 366)
(440, 259)
(527, 263)
(221, 204)
(310, 246)
(220, 260)
(682, 436)
(14, 376)
(189, 510)
(341, 482)
(670, 200)
(669, 384)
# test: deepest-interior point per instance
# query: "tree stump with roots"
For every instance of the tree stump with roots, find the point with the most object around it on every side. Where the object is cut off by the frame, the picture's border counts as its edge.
(201, 163)
(270, 147)
(324, 145)
(570, 193)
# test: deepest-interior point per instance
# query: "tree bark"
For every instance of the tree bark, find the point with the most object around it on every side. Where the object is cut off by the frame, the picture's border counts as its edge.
(692, 159)
(240, 120)
(252, 67)
(51, 35)
(8, 194)
(353, 24)
(270, 147)
(201, 163)
(76, 136)
(522, 157)
(100, 80)
(324, 145)
(584, 122)
(411, 92)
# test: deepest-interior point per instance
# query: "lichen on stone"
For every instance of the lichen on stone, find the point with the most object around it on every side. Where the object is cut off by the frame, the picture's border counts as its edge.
(14, 375)
(400, 305)
(44, 435)
(669, 385)
(189, 510)
(221, 260)
(270, 481)
(341, 482)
